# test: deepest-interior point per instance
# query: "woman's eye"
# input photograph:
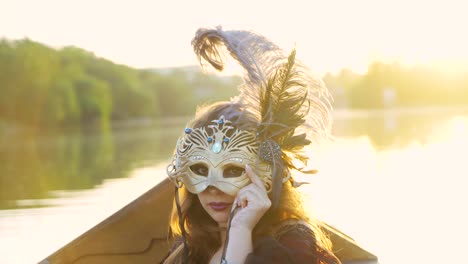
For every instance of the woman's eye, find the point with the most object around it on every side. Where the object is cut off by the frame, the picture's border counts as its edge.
(199, 169)
(233, 171)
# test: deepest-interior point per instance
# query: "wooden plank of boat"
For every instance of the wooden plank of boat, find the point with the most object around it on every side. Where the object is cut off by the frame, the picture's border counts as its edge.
(138, 234)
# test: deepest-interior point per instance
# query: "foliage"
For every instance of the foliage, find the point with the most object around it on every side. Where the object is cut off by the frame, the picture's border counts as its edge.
(392, 85)
(44, 88)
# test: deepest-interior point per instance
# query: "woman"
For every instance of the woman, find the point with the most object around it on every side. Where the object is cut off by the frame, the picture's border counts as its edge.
(235, 199)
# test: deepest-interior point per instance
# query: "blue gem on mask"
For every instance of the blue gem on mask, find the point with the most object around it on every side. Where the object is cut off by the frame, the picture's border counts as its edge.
(216, 147)
(210, 139)
(226, 140)
(220, 121)
(188, 130)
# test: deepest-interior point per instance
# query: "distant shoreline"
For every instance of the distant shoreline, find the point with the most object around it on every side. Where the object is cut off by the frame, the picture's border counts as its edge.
(338, 114)
(410, 110)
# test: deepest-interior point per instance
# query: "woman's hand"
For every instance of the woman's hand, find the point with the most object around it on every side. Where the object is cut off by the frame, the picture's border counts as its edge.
(253, 202)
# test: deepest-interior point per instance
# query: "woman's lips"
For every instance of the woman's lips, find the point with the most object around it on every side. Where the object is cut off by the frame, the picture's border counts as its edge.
(219, 206)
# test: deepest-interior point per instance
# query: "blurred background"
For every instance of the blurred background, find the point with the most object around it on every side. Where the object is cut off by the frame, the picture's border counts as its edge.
(94, 94)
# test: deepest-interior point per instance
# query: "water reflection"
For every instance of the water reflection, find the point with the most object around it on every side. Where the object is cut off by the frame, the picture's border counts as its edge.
(31, 167)
(394, 128)
(403, 200)
(394, 181)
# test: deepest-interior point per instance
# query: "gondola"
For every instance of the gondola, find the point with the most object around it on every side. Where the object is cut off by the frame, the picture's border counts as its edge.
(138, 234)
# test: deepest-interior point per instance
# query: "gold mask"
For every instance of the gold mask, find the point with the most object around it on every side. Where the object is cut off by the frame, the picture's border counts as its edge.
(216, 155)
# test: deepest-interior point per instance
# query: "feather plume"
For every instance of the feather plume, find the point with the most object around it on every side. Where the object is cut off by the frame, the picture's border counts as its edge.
(266, 65)
(291, 106)
(256, 54)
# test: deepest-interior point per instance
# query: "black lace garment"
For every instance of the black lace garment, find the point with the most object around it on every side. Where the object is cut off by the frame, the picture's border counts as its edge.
(290, 244)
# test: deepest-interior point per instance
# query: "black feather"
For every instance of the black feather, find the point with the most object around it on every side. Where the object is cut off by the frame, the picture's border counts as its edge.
(291, 106)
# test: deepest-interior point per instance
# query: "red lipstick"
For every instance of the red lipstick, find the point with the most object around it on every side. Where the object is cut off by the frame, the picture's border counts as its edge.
(219, 206)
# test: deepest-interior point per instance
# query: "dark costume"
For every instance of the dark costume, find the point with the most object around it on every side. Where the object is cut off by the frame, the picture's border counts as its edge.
(291, 243)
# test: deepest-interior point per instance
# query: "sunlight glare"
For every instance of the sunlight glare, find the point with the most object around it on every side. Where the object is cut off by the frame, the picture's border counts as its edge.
(402, 199)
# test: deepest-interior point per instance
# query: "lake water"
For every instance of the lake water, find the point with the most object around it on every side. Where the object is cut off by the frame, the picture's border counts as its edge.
(395, 181)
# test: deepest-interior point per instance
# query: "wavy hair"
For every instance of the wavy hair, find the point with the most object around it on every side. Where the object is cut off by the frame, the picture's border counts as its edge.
(202, 232)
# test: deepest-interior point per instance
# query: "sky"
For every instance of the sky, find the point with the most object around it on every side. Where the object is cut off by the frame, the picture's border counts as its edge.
(328, 35)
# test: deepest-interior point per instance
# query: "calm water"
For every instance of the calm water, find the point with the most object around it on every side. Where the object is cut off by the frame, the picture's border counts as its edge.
(394, 181)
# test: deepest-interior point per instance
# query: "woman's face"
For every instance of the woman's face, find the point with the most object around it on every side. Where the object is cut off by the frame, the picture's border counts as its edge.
(217, 204)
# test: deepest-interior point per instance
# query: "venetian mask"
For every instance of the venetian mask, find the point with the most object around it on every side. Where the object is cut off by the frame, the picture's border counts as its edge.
(216, 155)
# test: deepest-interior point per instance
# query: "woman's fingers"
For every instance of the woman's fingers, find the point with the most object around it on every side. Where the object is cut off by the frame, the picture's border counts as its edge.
(253, 196)
(254, 178)
(254, 201)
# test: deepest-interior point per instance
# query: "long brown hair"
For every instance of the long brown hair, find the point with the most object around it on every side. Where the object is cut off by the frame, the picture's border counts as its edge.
(203, 233)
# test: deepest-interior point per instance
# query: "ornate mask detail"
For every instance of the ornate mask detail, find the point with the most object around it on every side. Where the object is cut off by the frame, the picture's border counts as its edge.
(216, 155)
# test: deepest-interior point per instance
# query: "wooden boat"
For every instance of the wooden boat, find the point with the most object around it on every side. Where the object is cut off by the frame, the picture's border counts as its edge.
(138, 234)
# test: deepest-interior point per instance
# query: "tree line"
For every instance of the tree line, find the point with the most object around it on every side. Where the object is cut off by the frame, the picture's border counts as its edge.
(393, 85)
(42, 87)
